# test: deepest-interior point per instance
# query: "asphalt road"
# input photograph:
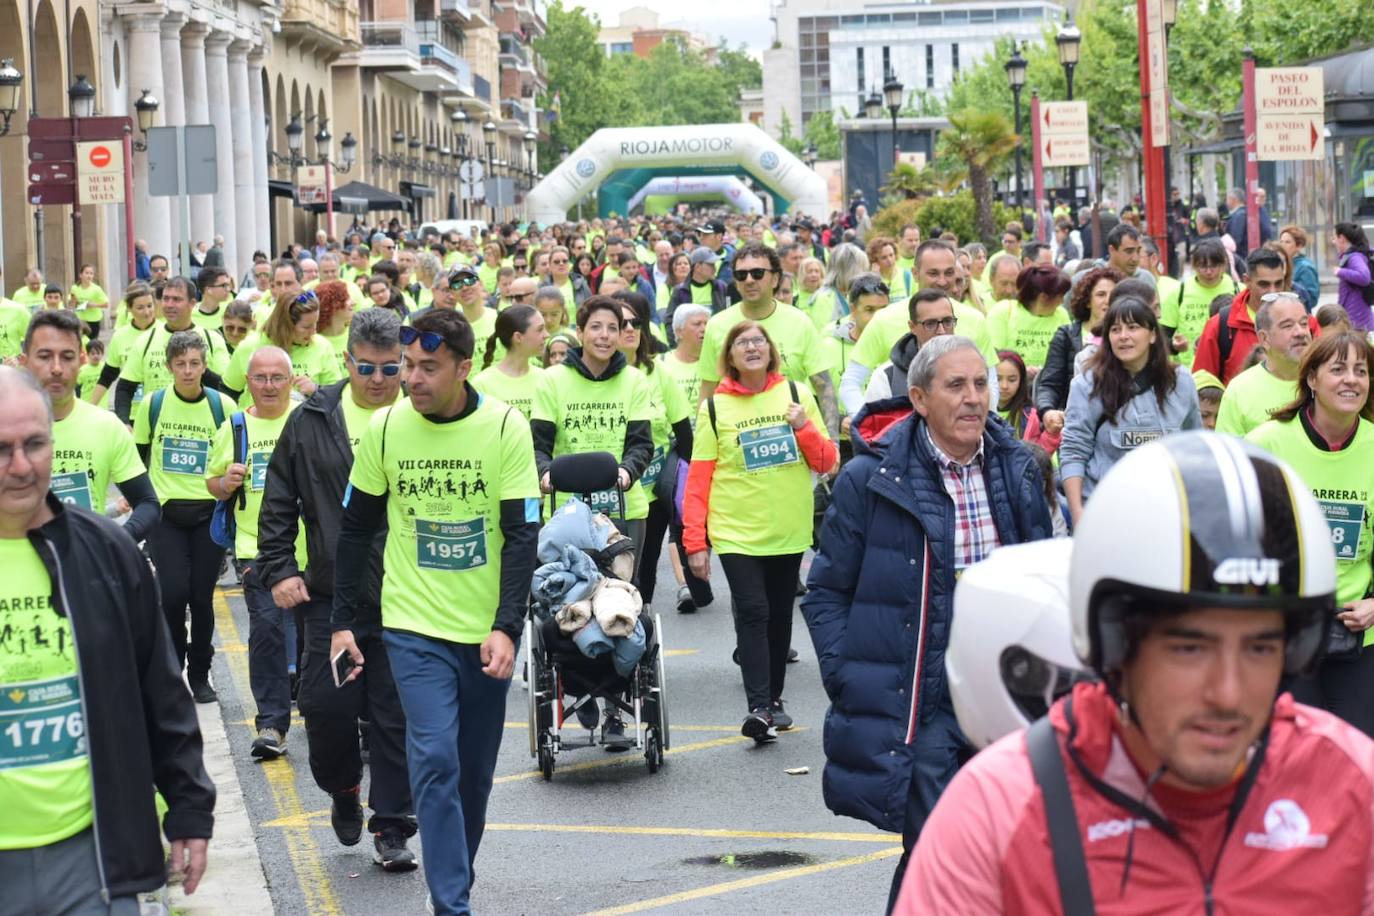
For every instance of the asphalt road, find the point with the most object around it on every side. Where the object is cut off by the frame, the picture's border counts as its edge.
(721, 828)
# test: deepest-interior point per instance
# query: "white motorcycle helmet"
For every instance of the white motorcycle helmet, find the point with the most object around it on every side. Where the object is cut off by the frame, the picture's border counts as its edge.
(1010, 652)
(1199, 520)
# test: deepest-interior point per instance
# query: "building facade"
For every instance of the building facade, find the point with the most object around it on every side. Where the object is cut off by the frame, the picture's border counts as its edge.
(829, 54)
(638, 32)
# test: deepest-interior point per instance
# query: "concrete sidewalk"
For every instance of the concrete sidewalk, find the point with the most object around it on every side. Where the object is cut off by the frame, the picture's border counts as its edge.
(234, 881)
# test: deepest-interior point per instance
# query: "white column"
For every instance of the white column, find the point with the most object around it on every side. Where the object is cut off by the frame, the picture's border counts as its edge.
(217, 75)
(197, 111)
(257, 114)
(240, 116)
(145, 72)
(173, 99)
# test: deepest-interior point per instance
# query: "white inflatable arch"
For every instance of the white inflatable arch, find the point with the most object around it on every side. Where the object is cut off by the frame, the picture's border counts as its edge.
(730, 188)
(741, 145)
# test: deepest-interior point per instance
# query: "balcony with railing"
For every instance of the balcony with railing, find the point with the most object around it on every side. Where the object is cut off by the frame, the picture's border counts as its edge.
(481, 88)
(480, 15)
(514, 52)
(440, 59)
(455, 9)
(328, 23)
(389, 46)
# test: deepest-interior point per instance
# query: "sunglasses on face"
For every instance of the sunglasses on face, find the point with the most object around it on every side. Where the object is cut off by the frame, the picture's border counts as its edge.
(429, 341)
(390, 370)
(634, 323)
(753, 273)
(461, 281)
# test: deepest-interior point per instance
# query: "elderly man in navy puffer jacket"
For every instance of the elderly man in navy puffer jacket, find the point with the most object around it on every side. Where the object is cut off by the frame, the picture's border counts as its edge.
(926, 495)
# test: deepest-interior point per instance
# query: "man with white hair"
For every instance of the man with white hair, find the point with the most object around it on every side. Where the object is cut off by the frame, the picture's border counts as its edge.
(310, 269)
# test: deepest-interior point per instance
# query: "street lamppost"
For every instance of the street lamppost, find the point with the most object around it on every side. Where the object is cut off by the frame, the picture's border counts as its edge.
(11, 87)
(81, 97)
(531, 141)
(1068, 41)
(892, 98)
(1016, 78)
(398, 149)
(489, 135)
(146, 108)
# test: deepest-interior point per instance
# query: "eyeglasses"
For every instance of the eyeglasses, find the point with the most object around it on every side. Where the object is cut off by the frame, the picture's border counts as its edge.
(558, 261)
(461, 280)
(33, 448)
(390, 370)
(751, 343)
(753, 273)
(273, 380)
(429, 341)
(634, 323)
(932, 325)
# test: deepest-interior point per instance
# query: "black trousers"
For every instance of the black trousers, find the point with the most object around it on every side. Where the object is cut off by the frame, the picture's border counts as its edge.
(763, 590)
(1341, 687)
(659, 523)
(331, 720)
(187, 563)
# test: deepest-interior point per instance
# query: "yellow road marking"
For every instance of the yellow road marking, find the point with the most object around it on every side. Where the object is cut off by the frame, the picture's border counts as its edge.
(572, 725)
(726, 887)
(670, 653)
(316, 892)
(701, 832)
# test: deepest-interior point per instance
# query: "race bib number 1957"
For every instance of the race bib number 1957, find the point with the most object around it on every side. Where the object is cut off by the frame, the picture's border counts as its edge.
(451, 546)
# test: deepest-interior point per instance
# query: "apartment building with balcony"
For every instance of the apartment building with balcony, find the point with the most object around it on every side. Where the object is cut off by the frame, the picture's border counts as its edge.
(430, 77)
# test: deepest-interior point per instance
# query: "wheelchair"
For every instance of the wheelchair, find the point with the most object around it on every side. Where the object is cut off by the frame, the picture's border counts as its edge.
(557, 669)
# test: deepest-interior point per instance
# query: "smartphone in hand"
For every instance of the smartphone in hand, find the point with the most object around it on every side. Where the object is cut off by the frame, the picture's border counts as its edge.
(342, 663)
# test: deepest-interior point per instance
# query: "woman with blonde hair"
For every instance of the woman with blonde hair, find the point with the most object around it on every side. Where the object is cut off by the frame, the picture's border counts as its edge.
(292, 325)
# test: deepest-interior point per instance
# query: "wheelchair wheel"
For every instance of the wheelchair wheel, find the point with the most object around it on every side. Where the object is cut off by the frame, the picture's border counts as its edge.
(653, 749)
(546, 762)
(660, 675)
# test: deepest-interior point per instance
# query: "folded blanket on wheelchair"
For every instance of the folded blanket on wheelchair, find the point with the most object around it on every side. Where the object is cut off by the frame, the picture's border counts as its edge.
(599, 612)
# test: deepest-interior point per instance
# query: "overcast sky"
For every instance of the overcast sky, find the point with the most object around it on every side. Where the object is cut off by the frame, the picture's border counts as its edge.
(737, 20)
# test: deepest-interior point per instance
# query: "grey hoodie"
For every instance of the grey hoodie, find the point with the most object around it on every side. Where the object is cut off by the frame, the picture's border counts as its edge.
(1093, 444)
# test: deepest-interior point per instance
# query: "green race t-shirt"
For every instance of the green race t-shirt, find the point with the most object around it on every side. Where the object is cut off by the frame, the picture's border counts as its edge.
(180, 445)
(14, 323)
(91, 449)
(1247, 400)
(31, 299)
(821, 306)
(686, 376)
(212, 320)
(760, 502)
(356, 418)
(339, 343)
(91, 301)
(316, 359)
(144, 361)
(262, 440)
(1343, 483)
(702, 293)
(592, 416)
(887, 327)
(517, 391)
(444, 484)
(45, 773)
(900, 287)
(1187, 309)
(837, 349)
(120, 341)
(793, 334)
(1011, 326)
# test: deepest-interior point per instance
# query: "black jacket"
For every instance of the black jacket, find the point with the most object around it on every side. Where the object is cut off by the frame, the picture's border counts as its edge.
(1052, 382)
(141, 724)
(306, 479)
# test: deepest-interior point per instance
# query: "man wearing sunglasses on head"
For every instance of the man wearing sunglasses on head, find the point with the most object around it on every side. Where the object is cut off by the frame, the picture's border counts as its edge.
(462, 289)
(452, 473)
(306, 480)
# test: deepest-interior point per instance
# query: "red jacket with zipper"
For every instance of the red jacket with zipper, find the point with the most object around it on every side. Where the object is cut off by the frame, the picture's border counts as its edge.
(1303, 841)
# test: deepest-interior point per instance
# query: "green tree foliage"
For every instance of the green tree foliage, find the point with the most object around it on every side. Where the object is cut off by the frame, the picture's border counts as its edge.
(956, 213)
(675, 84)
(890, 219)
(793, 145)
(906, 182)
(822, 133)
(973, 148)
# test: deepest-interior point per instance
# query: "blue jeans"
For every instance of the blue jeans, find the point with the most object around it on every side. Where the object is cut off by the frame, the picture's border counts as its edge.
(940, 751)
(454, 718)
(271, 651)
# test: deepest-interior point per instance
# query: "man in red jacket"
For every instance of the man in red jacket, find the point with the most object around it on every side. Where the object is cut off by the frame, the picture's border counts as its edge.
(1182, 782)
(1223, 351)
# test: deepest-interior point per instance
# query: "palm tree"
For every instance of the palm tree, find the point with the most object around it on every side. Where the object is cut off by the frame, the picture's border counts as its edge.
(975, 145)
(907, 182)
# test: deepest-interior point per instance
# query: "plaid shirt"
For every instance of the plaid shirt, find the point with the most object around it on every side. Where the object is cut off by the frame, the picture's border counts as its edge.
(975, 533)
